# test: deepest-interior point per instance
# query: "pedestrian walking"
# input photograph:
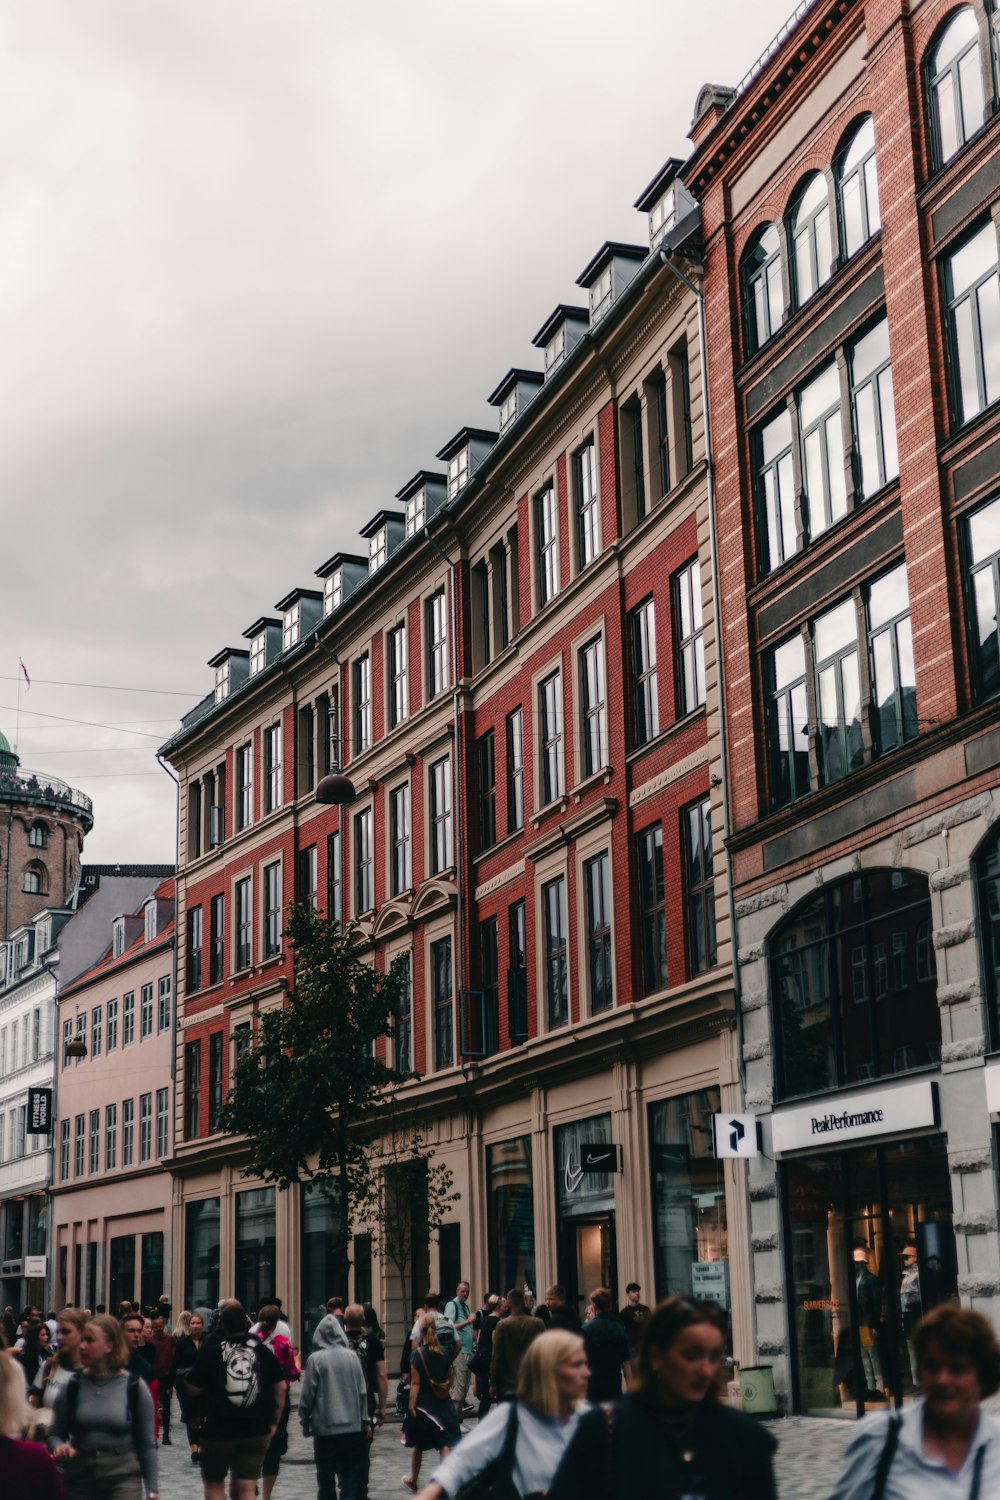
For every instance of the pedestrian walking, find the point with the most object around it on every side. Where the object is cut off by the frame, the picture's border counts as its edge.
(268, 1323)
(942, 1444)
(186, 1350)
(160, 1351)
(670, 1437)
(529, 1436)
(511, 1338)
(555, 1311)
(58, 1370)
(333, 1411)
(607, 1348)
(27, 1471)
(431, 1421)
(102, 1426)
(35, 1351)
(239, 1389)
(487, 1319)
(633, 1318)
(140, 1362)
(460, 1314)
(371, 1352)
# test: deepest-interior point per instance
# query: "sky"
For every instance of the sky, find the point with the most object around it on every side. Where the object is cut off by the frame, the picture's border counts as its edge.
(259, 260)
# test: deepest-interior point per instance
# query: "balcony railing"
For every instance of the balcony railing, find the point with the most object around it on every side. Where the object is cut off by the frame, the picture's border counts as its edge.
(772, 47)
(36, 786)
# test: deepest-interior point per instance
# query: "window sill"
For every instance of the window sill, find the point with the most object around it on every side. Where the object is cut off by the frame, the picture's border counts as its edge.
(597, 778)
(665, 735)
(560, 805)
(499, 846)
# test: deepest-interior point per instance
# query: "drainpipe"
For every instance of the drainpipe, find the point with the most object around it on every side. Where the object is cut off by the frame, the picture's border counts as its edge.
(667, 257)
(457, 840)
(175, 946)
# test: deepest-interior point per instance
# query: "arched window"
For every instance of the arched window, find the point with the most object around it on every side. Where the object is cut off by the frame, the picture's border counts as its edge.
(763, 298)
(811, 239)
(854, 984)
(857, 186)
(34, 880)
(38, 836)
(955, 86)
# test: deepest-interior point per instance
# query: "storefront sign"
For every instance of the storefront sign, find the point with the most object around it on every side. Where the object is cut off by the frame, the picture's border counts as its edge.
(709, 1282)
(603, 1158)
(36, 1267)
(992, 1071)
(735, 1135)
(840, 1118)
(39, 1111)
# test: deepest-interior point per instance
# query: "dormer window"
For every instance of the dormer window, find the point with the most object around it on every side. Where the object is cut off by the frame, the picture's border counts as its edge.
(378, 549)
(416, 509)
(659, 219)
(258, 654)
(600, 294)
(149, 930)
(222, 681)
(43, 937)
(38, 836)
(555, 350)
(458, 472)
(22, 954)
(291, 625)
(508, 409)
(333, 591)
(118, 937)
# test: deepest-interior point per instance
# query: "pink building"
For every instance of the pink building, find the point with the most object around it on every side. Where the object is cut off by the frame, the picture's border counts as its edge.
(111, 1193)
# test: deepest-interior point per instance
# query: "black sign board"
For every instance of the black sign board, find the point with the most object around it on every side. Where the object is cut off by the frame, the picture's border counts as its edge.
(39, 1111)
(601, 1157)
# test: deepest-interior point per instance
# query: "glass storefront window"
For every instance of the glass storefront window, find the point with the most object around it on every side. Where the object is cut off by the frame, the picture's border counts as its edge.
(322, 1274)
(585, 1212)
(870, 1250)
(690, 1233)
(201, 1253)
(255, 1240)
(854, 984)
(38, 1225)
(152, 1268)
(14, 1234)
(511, 1215)
(121, 1282)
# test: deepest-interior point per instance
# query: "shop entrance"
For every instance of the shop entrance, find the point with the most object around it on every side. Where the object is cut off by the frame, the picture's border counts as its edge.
(587, 1258)
(585, 1212)
(871, 1248)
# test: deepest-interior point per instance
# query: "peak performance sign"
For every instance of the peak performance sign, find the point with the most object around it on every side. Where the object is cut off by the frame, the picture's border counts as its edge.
(855, 1117)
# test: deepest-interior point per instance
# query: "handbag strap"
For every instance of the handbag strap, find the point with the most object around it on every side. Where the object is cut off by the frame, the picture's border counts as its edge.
(977, 1473)
(886, 1457)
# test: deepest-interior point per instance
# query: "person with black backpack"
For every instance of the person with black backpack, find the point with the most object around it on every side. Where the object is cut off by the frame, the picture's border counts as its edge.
(102, 1425)
(239, 1388)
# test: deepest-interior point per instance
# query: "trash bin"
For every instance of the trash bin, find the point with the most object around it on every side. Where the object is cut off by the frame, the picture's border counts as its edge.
(757, 1389)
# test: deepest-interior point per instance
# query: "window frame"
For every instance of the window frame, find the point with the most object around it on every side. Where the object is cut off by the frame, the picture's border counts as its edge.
(514, 736)
(396, 652)
(934, 79)
(690, 638)
(867, 187)
(600, 955)
(699, 886)
(552, 772)
(587, 504)
(486, 789)
(364, 862)
(761, 272)
(954, 302)
(593, 686)
(546, 543)
(436, 614)
(400, 839)
(442, 1000)
(271, 894)
(441, 845)
(651, 904)
(804, 227)
(363, 711)
(555, 952)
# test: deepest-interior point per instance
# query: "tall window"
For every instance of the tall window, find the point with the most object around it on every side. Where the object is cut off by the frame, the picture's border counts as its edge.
(334, 884)
(517, 973)
(982, 548)
(215, 1081)
(308, 876)
(811, 239)
(838, 691)
(824, 481)
(442, 999)
(128, 1132)
(690, 639)
(597, 885)
(489, 978)
(243, 892)
(399, 700)
(80, 1145)
(647, 705)
(700, 886)
(955, 86)
(244, 785)
(486, 787)
(272, 767)
(874, 412)
(192, 1090)
(658, 392)
(440, 809)
(515, 770)
(272, 909)
(128, 1017)
(776, 488)
(112, 1025)
(403, 1023)
(550, 727)
(362, 704)
(788, 722)
(632, 435)
(195, 942)
(973, 288)
(364, 871)
(162, 1123)
(437, 644)
(94, 1152)
(893, 677)
(652, 916)
(763, 297)
(145, 1127)
(556, 980)
(110, 1137)
(96, 1027)
(857, 184)
(547, 541)
(163, 1002)
(400, 835)
(588, 516)
(593, 699)
(63, 1148)
(146, 1012)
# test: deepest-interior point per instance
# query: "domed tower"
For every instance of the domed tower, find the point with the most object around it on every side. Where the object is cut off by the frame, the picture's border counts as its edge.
(43, 823)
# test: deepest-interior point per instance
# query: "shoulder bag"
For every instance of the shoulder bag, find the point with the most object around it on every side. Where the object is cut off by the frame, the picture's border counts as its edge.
(496, 1481)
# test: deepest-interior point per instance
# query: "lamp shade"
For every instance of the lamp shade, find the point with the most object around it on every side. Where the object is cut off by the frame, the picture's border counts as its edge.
(336, 789)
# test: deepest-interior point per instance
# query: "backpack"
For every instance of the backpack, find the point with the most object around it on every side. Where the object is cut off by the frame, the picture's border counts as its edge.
(242, 1392)
(285, 1355)
(440, 1388)
(447, 1337)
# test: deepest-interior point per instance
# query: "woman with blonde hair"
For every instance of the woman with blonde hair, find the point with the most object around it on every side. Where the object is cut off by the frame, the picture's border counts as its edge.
(431, 1420)
(28, 1471)
(526, 1438)
(102, 1430)
(60, 1369)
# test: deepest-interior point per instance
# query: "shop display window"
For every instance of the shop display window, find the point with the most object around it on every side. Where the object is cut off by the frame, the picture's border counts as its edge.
(511, 1215)
(690, 1232)
(255, 1237)
(201, 1253)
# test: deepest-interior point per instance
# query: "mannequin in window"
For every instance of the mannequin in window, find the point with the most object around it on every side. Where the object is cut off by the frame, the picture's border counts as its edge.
(910, 1303)
(869, 1302)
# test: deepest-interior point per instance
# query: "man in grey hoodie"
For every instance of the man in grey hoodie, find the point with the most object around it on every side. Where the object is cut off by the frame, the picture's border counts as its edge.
(333, 1410)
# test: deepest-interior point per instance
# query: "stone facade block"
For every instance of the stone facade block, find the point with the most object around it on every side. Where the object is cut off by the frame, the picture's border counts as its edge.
(959, 932)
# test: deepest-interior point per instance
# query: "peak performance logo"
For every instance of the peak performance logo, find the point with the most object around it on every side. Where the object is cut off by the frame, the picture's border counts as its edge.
(827, 1124)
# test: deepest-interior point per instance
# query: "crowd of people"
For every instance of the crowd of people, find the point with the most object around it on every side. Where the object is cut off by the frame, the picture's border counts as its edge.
(623, 1404)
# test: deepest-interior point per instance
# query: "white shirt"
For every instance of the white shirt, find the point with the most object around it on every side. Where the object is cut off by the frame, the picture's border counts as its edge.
(541, 1443)
(912, 1475)
(280, 1327)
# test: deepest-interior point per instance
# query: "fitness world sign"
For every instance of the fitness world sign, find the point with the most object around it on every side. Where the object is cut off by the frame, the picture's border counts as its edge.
(886, 1110)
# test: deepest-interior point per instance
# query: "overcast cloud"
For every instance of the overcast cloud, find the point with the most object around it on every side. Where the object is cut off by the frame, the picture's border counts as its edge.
(259, 259)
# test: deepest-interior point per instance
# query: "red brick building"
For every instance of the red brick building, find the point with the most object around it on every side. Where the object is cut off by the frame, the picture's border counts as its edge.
(850, 199)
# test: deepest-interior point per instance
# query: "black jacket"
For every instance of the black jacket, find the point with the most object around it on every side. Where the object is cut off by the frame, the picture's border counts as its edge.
(641, 1458)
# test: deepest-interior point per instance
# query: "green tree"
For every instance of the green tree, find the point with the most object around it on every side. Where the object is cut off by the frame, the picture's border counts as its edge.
(309, 1093)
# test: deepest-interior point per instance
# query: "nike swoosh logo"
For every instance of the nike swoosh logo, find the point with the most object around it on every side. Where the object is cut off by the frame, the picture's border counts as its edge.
(572, 1176)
